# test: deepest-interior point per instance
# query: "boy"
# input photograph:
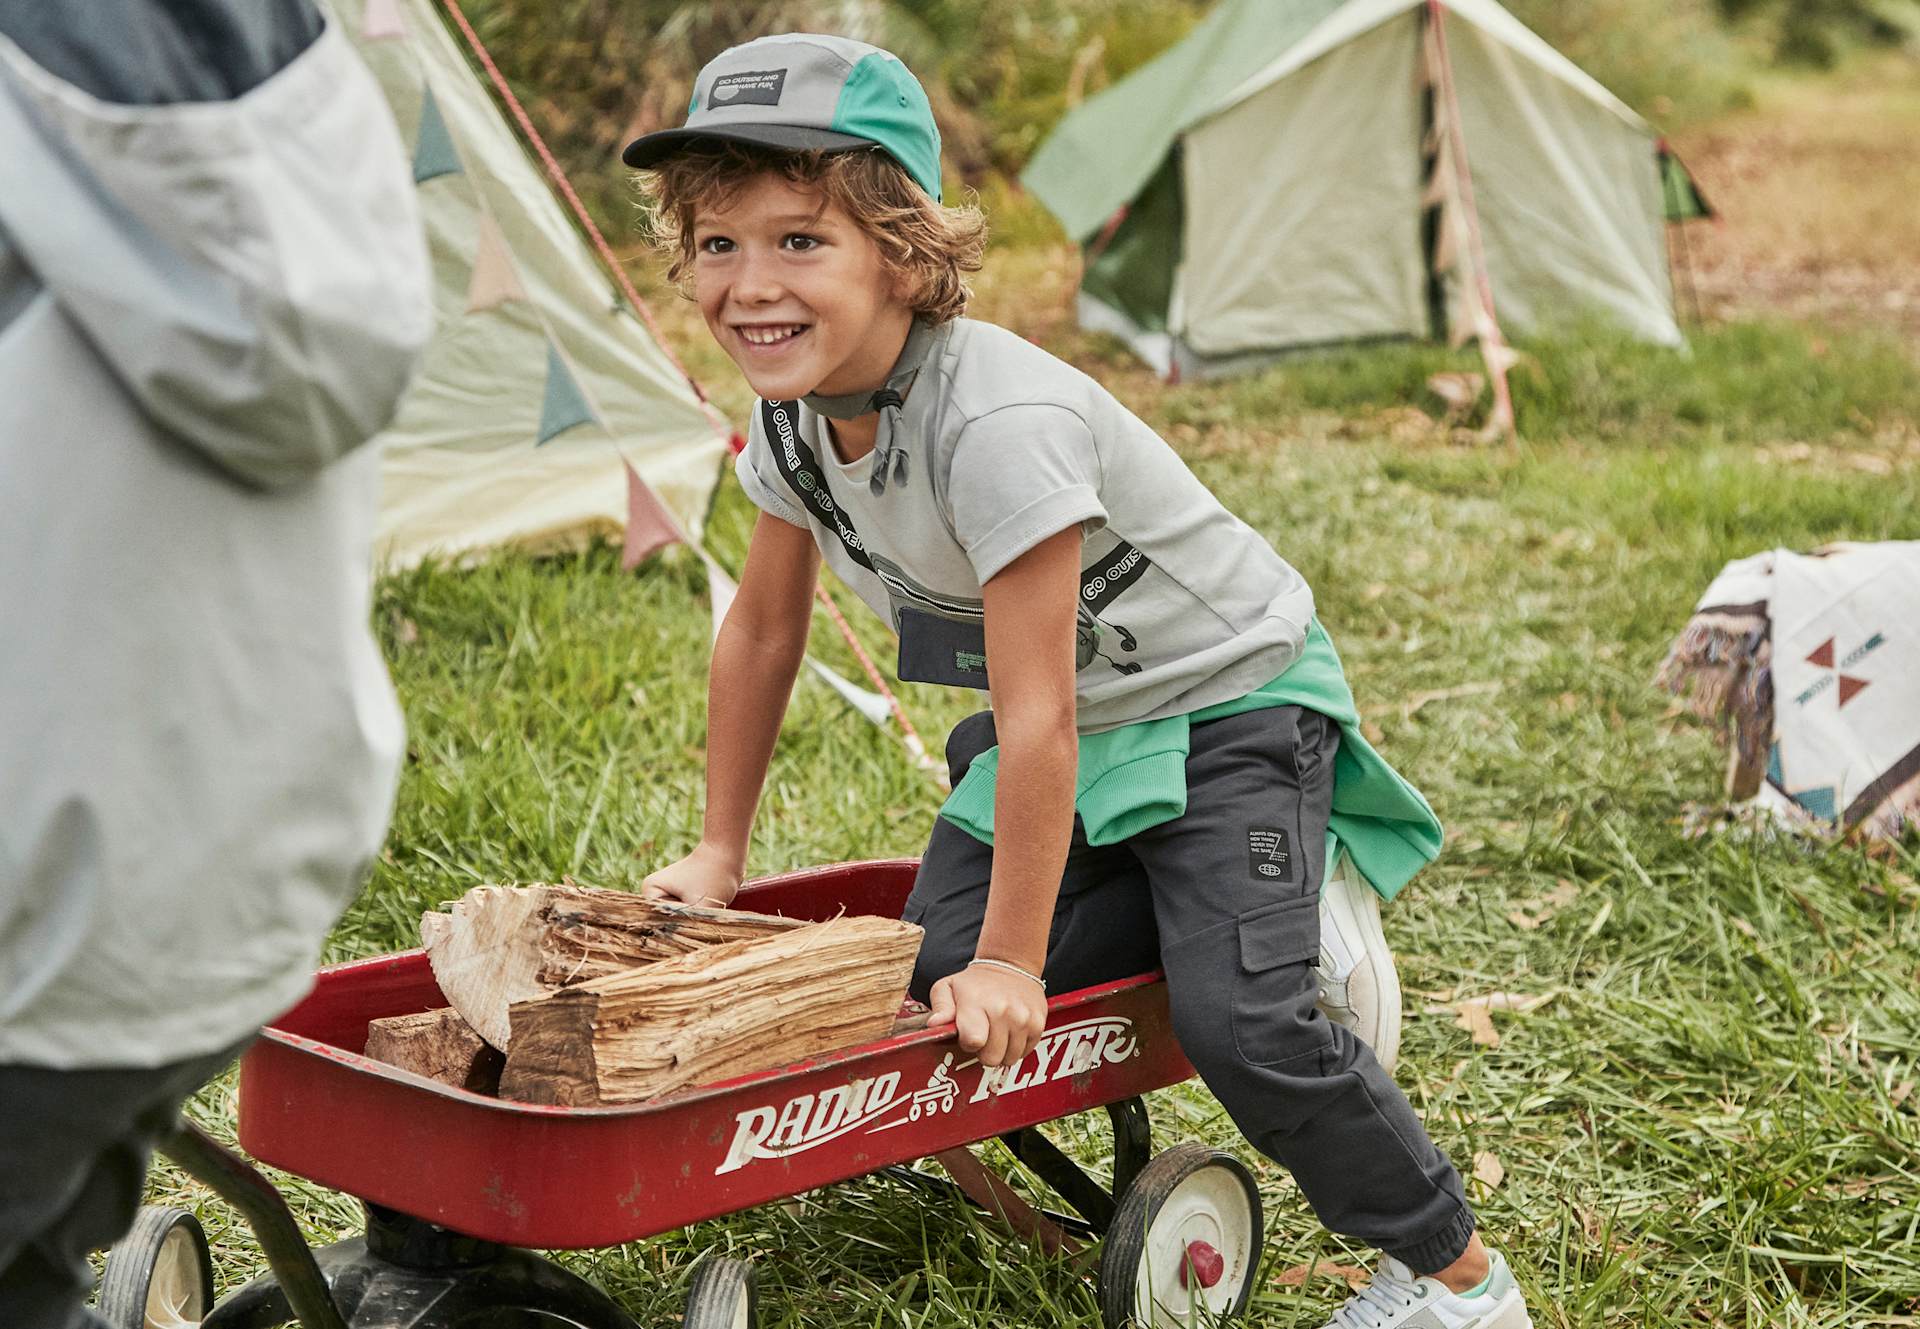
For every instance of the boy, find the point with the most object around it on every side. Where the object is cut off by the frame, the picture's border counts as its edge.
(1171, 747)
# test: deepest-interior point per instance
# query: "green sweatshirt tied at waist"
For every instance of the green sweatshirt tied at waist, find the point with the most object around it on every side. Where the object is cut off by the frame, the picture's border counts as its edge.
(1135, 777)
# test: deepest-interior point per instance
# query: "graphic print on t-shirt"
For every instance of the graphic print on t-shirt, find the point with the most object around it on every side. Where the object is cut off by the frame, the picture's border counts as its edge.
(1103, 581)
(945, 642)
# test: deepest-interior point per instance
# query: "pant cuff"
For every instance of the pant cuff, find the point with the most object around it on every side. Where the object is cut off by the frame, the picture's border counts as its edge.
(1435, 1252)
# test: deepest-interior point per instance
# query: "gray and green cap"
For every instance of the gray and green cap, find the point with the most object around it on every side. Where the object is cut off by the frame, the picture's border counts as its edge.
(802, 91)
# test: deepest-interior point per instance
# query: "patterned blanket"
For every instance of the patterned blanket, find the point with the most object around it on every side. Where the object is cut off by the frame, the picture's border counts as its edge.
(1810, 664)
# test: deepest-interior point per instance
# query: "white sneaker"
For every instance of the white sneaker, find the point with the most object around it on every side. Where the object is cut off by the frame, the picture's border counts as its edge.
(1359, 987)
(1397, 1298)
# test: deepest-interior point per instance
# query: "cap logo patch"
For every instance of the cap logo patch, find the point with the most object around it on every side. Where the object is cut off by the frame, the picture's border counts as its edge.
(750, 87)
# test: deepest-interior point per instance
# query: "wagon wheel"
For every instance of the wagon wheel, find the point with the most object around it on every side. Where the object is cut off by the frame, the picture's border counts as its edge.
(158, 1276)
(721, 1295)
(1185, 1238)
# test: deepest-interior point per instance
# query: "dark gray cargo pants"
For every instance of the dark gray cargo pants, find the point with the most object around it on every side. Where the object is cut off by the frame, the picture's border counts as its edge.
(74, 1147)
(1226, 900)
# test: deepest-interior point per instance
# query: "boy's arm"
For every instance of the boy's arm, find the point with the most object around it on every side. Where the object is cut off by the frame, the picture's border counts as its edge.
(755, 659)
(1030, 609)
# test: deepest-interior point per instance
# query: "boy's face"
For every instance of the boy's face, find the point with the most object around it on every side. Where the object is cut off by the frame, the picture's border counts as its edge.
(795, 292)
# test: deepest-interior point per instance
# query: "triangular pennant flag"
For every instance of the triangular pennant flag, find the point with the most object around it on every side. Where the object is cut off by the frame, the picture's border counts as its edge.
(495, 280)
(1850, 687)
(650, 527)
(870, 704)
(433, 153)
(382, 19)
(1500, 357)
(564, 405)
(1822, 654)
(720, 590)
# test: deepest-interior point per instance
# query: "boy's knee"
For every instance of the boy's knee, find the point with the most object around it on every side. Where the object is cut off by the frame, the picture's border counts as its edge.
(967, 740)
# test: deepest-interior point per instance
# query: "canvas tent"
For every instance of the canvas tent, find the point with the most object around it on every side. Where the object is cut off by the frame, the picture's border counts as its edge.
(545, 413)
(1301, 172)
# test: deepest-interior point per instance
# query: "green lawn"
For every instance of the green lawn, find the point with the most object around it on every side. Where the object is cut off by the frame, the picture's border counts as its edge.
(1706, 1120)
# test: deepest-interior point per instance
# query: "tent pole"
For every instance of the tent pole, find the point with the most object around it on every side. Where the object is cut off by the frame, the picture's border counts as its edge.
(1430, 222)
(1679, 228)
(1493, 344)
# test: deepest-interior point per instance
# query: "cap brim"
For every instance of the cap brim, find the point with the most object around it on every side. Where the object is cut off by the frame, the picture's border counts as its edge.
(652, 149)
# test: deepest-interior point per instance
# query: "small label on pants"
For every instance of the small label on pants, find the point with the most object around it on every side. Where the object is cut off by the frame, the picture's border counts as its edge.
(1270, 854)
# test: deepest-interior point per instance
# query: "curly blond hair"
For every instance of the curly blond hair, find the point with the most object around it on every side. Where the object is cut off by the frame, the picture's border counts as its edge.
(927, 248)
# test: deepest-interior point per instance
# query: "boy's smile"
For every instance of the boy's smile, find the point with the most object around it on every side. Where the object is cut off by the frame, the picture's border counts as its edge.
(796, 292)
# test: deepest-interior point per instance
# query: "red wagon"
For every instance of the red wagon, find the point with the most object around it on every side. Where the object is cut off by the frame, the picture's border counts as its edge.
(457, 1185)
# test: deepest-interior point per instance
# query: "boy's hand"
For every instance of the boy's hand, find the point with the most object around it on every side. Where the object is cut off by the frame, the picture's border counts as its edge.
(704, 877)
(997, 1014)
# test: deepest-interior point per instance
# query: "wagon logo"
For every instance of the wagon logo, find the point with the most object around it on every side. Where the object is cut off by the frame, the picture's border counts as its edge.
(806, 1121)
(1072, 1049)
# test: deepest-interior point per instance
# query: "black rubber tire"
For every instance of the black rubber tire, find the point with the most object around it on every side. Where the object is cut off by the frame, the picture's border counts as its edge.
(721, 1295)
(1126, 1242)
(127, 1281)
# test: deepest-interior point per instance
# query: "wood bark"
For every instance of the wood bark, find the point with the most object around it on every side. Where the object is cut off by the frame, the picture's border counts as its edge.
(499, 945)
(439, 1045)
(726, 1009)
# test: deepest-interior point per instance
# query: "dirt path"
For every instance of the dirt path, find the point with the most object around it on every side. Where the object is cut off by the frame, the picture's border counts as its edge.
(1819, 187)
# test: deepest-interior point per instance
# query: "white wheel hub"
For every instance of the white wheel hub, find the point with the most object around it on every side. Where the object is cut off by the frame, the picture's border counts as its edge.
(1206, 1213)
(176, 1298)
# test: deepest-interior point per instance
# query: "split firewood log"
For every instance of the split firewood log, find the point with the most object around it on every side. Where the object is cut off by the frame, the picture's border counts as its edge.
(498, 945)
(725, 1010)
(439, 1045)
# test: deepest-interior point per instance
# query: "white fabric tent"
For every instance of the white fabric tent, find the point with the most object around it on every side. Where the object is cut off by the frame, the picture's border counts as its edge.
(541, 387)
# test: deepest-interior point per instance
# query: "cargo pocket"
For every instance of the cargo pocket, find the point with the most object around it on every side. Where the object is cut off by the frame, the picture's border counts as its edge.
(1274, 989)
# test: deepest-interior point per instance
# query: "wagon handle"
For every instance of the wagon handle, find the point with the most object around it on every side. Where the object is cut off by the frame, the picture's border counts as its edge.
(241, 1185)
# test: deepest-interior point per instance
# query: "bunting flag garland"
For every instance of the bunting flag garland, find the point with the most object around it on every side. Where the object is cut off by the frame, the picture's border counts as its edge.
(650, 527)
(495, 280)
(564, 405)
(433, 151)
(493, 230)
(870, 704)
(382, 20)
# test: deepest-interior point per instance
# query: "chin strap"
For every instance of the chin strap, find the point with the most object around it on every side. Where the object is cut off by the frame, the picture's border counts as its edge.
(888, 399)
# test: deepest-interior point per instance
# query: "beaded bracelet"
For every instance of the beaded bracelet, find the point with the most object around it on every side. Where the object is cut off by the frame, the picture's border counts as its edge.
(1010, 968)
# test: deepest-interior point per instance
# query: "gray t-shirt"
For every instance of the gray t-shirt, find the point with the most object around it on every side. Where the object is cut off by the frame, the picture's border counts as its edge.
(1183, 605)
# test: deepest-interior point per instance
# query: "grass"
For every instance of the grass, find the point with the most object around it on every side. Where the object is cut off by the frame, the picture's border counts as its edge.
(1820, 169)
(1707, 1121)
(1708, 1118)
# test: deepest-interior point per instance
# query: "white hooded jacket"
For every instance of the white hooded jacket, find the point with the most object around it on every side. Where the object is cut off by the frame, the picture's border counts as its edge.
(206, 308)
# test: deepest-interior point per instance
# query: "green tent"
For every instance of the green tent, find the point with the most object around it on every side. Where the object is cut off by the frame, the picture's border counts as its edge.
(1304, 172)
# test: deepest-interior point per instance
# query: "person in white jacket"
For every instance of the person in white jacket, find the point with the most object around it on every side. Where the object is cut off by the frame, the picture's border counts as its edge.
(213, 291)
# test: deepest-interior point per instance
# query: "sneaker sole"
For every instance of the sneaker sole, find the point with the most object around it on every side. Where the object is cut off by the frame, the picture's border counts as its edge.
(1510, 1314)
(1373, 985)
